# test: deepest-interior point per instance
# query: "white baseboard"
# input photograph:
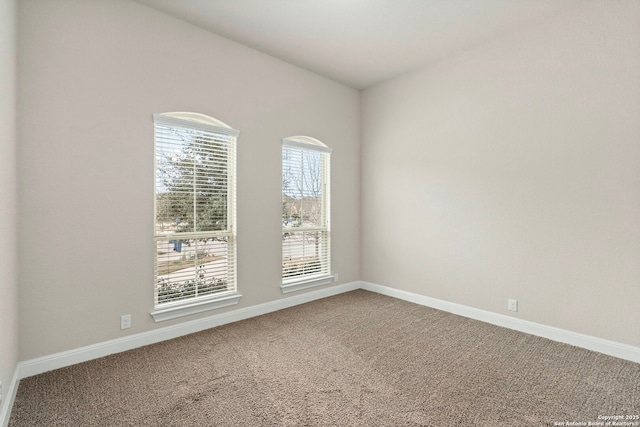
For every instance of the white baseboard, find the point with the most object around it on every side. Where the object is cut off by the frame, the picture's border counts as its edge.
(66, 358)
(59, 360)
(8, 397)
(83, 354)
(612, 348)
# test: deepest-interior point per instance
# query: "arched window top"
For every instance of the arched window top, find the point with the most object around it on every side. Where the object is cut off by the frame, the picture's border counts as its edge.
(306, 142)
(196, 120)
(197, 117)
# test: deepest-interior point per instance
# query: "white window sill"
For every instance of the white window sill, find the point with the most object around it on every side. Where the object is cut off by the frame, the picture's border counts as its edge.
(305, 283)
(172, 311)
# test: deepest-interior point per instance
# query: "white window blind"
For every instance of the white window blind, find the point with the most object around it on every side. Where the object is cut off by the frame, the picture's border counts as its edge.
(195, 232)
(306, 238)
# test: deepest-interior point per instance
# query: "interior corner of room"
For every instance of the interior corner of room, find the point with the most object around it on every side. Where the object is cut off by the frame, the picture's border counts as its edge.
(498, 181)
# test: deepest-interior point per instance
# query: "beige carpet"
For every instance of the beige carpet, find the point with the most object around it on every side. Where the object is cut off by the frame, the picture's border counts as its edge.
(356, 359)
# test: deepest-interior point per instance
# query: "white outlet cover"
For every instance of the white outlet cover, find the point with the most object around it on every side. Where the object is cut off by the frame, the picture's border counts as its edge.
(512, 304)
(125, 321)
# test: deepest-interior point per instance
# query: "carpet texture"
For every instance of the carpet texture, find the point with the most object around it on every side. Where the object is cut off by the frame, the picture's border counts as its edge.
(356, 359)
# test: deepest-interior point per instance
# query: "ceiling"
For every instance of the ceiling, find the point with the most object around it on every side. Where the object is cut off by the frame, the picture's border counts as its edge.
(360, 42)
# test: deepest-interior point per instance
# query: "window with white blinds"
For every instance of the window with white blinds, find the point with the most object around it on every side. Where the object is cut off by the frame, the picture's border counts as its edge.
(195, 231)
(306, 237)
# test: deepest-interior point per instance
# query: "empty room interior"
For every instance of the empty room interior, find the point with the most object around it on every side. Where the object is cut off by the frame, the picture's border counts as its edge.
(479, 171)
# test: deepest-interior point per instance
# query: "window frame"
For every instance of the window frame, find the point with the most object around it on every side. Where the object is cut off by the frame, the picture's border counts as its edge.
(324, 277)
(199, 303)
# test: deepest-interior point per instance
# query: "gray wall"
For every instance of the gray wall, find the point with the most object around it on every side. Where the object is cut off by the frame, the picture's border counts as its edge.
(511, 171)
(507, 171)
(91, 75)
(8, 213)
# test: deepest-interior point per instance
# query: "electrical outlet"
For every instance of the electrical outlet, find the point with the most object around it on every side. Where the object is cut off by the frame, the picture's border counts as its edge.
(335, 277)
(125, 321)
(512, 304)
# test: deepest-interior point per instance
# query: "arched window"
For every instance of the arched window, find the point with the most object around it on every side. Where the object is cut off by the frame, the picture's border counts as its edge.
(306, 234)
(194, 215)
